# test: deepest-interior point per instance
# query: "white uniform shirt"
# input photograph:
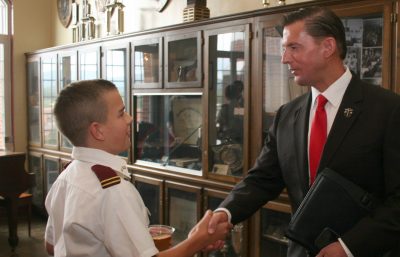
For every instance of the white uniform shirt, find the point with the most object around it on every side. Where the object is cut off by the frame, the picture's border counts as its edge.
(87, 220)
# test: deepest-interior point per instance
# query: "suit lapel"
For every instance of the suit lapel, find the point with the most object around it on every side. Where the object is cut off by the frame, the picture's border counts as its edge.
(300, 130)
(349, 109)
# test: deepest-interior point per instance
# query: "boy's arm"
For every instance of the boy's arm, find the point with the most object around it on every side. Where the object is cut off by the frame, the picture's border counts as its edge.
(199, 238)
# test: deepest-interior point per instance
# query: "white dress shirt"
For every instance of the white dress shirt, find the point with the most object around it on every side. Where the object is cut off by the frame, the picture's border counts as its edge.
(87, 220)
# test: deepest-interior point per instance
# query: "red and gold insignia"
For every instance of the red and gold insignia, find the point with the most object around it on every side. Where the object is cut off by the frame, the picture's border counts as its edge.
(107, 176)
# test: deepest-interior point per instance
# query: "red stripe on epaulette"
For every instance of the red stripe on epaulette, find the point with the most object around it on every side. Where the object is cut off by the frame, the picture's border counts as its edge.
(107, 176)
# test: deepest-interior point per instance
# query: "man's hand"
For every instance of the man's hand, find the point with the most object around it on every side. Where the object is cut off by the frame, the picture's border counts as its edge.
(216, 220)
(332, 250)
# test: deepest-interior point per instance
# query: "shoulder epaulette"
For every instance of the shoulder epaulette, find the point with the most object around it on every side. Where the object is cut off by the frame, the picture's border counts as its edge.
(107, 176)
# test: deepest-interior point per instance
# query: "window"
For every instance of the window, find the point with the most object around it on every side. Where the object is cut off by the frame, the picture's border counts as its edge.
(5, 76)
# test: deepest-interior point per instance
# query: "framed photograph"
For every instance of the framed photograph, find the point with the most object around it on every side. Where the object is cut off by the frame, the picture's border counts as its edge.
(372, 34)
(371, 62)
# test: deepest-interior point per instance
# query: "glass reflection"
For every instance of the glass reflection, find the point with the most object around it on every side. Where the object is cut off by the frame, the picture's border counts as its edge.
(68, 74)
(182, 60)
(116, 70)
(88, 65)
(278, 83)
(227, 103)
(146, 64)
(168, 130)
(49, 95)
(34, 102)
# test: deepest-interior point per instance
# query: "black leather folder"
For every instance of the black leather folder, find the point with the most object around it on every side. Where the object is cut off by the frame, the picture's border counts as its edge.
(332, 206)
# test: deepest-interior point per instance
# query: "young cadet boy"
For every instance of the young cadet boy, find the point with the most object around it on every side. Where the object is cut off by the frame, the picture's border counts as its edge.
(93, 211)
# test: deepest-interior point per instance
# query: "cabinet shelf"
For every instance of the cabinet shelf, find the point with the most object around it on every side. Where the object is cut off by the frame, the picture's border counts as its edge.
(282, 240)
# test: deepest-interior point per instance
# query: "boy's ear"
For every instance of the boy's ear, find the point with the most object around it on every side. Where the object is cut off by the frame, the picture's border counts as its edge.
(96, 131)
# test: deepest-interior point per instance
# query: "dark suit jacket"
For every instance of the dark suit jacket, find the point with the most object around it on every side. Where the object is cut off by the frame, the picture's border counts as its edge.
(364, 147)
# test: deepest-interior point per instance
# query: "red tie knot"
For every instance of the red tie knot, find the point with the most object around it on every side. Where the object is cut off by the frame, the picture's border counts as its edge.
(321, 101)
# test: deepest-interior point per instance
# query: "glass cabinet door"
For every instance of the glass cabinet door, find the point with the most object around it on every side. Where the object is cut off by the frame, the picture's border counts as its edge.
(34, 102)
(89, 63)
(168, 131)
(35, 166)
(49, 95)
(227, 82)
(147, 63)
(273, 241)
(151, 191)
(183, 208)
(183, 60)
(116, 69)
(51, 171)
(68, 73)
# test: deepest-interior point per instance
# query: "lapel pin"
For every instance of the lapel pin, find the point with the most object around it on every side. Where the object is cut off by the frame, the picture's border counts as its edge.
(348, 112)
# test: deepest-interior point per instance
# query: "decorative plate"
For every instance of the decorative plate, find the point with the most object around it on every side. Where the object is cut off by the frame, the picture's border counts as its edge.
(64, 8)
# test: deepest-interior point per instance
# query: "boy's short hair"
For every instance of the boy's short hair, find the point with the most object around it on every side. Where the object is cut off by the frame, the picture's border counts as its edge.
(78, 105)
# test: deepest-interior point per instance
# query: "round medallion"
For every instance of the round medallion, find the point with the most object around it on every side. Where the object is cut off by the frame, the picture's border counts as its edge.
(64, 11)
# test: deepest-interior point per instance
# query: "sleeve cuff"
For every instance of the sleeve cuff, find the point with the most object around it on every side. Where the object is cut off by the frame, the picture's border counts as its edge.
(349, 254)
(228, 213)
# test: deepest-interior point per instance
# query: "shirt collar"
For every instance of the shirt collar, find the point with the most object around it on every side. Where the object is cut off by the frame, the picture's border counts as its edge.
(334, 93)
(101, 157)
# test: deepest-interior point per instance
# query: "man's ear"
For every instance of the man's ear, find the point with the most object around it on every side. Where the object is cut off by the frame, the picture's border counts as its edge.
(96, 131)
(329, 45)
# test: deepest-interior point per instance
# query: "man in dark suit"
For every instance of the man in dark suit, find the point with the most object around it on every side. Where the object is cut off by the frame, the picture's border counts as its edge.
(362, 143)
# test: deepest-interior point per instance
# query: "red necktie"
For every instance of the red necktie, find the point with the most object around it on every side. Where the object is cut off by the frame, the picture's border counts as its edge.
(317, 137)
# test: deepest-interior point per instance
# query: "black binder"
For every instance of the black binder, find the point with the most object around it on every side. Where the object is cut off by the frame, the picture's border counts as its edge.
(332, 206)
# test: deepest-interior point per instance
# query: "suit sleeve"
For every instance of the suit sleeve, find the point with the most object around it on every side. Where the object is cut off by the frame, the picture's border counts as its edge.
(264, 181)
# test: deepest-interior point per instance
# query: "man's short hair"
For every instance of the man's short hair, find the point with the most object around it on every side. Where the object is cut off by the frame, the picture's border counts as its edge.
(320, 22)
(78, 105)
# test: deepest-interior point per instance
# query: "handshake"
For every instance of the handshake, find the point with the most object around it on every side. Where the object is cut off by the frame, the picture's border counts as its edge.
(211, 230)
(207, 235)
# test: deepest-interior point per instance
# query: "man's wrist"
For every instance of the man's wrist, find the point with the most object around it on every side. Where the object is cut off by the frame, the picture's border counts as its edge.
(228, 213)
